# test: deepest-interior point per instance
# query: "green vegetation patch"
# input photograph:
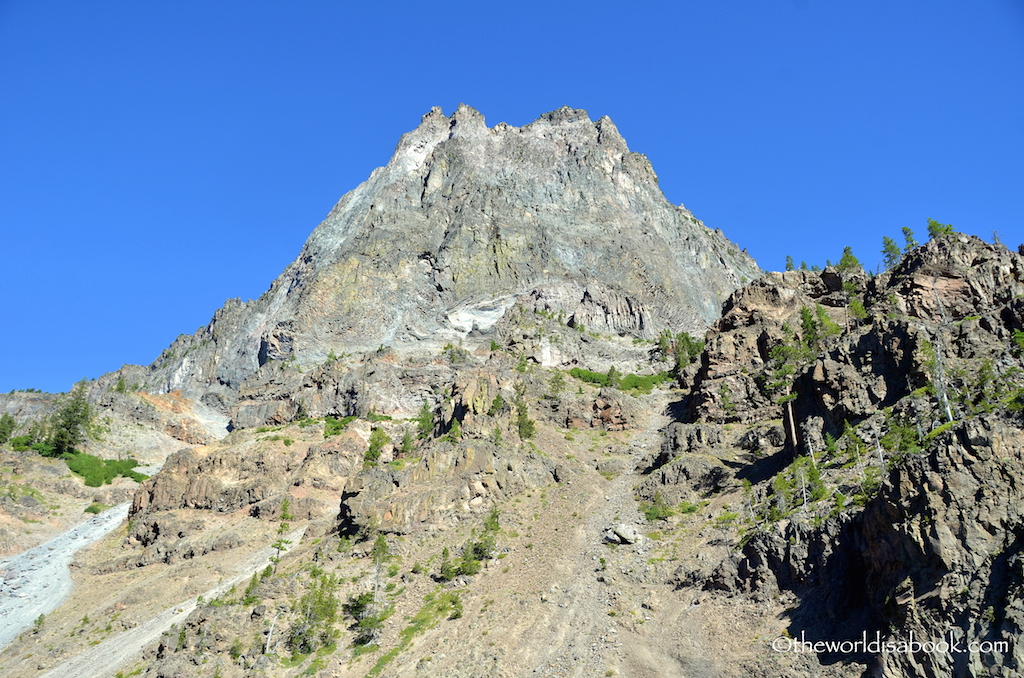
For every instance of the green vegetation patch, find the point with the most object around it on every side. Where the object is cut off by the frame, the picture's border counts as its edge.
(628, 382)
(333, 427)
(97, 472)
(634, 382)
(588, 376)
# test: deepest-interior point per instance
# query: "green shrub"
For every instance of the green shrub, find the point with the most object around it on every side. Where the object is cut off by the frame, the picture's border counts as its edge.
(658, 510)
(688, 507)
(453, 602)
(45, 449)
(630, 382)
(97, 472)
(333, 427)
(497, 406)
(588, 376)
(634, 382)
(456, 355)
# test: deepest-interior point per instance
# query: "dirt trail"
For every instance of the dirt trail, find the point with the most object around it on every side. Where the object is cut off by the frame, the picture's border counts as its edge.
(103, 660)
(37, 581)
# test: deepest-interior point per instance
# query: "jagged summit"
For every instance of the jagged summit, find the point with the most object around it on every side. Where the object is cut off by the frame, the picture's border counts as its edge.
(463, 221)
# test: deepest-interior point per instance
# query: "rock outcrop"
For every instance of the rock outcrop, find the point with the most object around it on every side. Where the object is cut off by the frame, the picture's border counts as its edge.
(913, 413)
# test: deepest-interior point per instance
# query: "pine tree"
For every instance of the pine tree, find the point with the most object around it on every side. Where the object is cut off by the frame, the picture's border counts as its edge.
(378, 439)
(809, 330)
(7, 426)
(406, 448)
(614, 377)
(526, 426)
(848, 262)
(892, 252)
(70, 422)
(935, 229)
(784, 360)
(425, 421)
(908, 237)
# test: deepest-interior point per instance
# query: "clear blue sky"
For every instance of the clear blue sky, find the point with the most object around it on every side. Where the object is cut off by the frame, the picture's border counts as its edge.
(157, 158)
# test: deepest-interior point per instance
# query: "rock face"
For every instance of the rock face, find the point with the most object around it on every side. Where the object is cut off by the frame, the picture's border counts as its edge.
(914, 412)
(440, 243)
(22, 405)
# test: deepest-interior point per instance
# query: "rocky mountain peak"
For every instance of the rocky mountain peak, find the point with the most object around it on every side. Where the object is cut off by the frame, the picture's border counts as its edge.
(462, 222)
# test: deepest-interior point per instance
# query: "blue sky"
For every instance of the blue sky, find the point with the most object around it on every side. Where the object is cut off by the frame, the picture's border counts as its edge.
(157, 158)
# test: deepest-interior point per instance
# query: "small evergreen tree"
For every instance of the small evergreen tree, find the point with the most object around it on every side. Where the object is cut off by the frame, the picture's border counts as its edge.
(614, 377)
(556, 383)
(935, 229)
(848, 262)
(789, 263)
(7, 426)
(497, 406)
(908, 237)
(318, 611)
(406, 447)
(524, 424)
(455, 432)
(378, 439)
(785, 358)
(425, 421)
(688, 349)
(858, 310)
(826, 326)
(891, 252)
(809, 329)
